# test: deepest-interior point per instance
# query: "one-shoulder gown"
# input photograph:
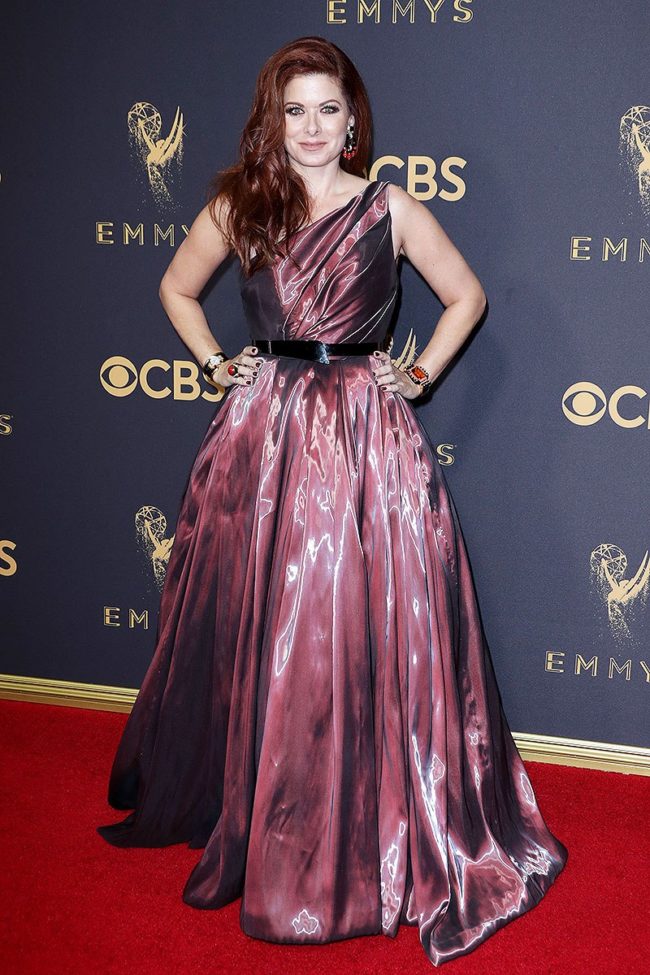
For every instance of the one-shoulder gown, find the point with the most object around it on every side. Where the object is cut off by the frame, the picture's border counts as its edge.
(321, 716)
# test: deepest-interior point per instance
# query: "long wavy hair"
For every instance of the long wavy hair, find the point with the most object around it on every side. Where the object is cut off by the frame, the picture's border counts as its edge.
(267, 200)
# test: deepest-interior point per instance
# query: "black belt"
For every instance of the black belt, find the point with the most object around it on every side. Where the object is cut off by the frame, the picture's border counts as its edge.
(316, 351)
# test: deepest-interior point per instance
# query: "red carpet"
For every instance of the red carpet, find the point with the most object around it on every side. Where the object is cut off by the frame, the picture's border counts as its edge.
(71, 903)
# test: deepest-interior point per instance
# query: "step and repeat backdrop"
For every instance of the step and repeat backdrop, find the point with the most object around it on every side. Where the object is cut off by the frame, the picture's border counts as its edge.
(525, 128)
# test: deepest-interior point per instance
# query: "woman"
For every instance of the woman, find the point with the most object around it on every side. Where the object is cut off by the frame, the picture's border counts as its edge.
(321, 714)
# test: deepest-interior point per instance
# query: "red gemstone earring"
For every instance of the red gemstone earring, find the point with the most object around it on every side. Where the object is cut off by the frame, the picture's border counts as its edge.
(350, 147)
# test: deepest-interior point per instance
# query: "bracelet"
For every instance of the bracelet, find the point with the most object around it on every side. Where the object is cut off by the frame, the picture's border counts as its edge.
(212, 363)
(420, 376)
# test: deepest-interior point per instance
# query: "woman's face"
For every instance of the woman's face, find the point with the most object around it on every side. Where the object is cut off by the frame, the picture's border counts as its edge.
(316, 119)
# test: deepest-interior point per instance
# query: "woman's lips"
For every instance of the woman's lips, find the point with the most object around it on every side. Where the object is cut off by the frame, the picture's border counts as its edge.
(312, 145)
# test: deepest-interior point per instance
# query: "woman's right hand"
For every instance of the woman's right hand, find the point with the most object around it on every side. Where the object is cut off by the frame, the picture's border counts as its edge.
(247, 369)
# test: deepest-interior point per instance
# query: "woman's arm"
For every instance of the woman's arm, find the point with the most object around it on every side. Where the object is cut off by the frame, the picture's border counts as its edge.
(424, 242)
(192, 266)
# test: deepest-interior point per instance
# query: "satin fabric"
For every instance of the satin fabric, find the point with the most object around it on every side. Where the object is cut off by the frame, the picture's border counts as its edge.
(321, 716)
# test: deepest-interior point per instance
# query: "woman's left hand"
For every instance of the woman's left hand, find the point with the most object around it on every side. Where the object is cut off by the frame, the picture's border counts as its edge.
(390, 376)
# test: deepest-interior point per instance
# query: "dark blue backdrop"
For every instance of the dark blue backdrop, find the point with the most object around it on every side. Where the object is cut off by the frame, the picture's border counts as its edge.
(513, 123)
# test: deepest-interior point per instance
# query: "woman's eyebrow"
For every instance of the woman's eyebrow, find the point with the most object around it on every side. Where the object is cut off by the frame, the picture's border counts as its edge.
(327, 100)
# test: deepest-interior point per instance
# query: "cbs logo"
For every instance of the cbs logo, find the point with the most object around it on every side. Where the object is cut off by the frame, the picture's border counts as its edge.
(424, 177)
(585, 403)
(158, 379)
(8, 564)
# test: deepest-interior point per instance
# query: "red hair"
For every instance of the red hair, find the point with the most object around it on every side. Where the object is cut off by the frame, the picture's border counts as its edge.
(266, 197)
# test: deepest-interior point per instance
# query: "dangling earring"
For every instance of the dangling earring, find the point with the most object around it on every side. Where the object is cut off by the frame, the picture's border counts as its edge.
(350, 147)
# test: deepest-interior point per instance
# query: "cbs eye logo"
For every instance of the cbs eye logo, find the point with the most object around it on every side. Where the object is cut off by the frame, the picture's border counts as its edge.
(157, 378)
(585, 403)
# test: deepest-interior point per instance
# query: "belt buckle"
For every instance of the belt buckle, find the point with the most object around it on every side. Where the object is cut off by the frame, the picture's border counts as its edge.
(322, 352)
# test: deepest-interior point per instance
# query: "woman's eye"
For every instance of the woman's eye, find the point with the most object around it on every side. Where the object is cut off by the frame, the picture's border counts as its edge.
(296, 108)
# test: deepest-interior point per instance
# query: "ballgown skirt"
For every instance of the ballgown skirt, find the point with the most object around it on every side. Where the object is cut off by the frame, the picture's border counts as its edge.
(321, 716)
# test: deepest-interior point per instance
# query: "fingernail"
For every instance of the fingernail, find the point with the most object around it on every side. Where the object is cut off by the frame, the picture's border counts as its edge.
(254, 350)
(377, 354)
(249, 382)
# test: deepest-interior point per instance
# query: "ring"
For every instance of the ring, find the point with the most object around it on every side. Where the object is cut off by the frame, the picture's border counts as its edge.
(232, 369)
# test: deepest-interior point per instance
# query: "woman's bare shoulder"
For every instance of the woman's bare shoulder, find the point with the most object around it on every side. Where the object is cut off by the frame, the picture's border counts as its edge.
(400, 201)
(410, 217)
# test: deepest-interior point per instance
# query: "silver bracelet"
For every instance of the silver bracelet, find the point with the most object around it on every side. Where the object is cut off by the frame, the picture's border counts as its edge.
(212, 363)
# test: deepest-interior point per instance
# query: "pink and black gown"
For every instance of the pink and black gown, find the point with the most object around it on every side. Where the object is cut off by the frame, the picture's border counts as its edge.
(321, 715)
